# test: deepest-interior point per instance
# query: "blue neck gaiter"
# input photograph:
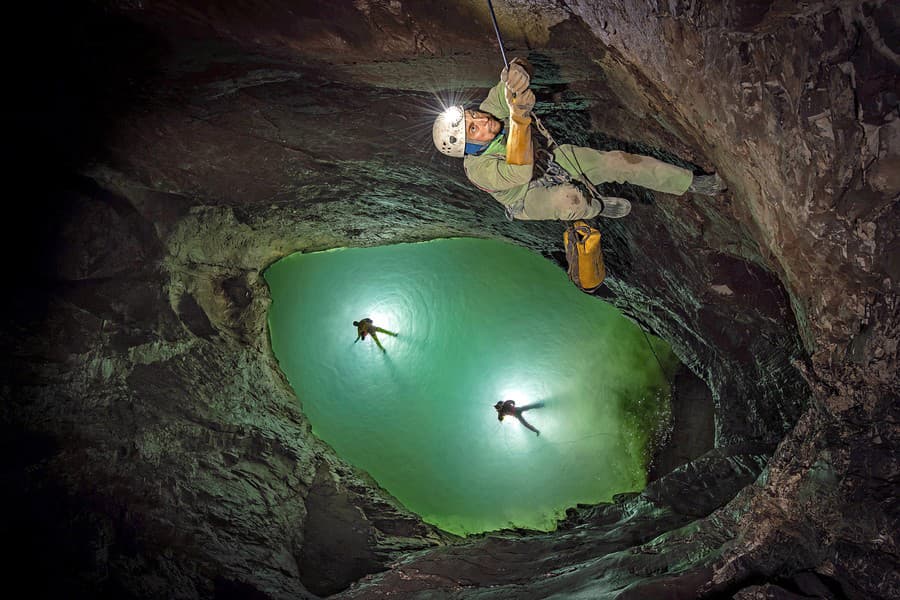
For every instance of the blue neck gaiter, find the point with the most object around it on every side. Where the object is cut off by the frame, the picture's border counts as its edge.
(476, 148)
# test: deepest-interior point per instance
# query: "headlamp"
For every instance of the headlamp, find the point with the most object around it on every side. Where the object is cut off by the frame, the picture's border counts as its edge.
(452, 115)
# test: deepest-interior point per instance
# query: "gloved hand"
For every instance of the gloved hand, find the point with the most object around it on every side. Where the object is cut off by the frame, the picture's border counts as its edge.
(519, 148)
(520, 106)
(518, 76)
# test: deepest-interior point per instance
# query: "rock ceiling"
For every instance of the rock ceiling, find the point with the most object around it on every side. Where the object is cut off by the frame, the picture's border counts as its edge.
(165, 153)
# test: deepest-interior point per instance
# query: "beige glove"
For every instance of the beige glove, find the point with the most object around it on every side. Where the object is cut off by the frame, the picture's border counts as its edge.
(521, 104)
(519, 149)
(515, 77)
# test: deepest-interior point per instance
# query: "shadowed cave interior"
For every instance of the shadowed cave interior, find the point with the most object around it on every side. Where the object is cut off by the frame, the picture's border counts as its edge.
(166, 154)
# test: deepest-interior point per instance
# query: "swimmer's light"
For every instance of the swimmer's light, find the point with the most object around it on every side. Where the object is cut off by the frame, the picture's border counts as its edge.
(383, 315)
(517, 395)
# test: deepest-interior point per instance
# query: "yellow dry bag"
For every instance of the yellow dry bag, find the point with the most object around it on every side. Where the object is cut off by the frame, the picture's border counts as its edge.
(585, 258)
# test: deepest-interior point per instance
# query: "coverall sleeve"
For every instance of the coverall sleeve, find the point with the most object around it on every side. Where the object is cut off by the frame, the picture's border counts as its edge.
(495, 103)
(491, 173)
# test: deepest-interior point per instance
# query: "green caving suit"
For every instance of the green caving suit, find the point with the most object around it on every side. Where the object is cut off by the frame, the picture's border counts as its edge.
(512, 185)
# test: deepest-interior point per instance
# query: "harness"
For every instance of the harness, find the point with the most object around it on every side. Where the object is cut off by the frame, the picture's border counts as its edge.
(549, 173)
(554, 174)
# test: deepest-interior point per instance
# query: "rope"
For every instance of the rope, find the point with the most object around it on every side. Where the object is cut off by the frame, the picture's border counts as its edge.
(497, 30)
(649, 345)
(544, 132)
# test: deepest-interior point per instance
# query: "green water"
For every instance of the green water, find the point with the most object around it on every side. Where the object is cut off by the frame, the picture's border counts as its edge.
(478, 321)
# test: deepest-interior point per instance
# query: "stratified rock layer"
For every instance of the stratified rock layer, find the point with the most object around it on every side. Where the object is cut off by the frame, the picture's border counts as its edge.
(169, 152)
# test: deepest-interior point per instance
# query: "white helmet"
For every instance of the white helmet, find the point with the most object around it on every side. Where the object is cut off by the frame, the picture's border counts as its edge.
(449, 132)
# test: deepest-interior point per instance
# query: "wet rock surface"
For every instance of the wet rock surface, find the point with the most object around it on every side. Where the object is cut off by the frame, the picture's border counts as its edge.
(171, 151)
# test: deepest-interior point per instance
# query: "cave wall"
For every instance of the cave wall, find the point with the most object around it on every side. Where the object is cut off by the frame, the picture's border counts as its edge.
(179, 148)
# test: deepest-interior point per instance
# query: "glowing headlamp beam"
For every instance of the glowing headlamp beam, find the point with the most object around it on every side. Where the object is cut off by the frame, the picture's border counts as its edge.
(452, 115)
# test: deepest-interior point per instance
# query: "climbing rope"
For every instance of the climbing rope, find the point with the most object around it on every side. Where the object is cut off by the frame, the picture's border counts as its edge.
(497, 30)
(661, 368)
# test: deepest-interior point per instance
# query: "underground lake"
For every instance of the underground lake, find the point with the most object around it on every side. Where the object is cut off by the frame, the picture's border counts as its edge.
(477, 322)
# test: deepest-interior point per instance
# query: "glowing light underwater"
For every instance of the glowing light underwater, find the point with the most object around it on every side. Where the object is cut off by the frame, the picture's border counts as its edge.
(478, 321)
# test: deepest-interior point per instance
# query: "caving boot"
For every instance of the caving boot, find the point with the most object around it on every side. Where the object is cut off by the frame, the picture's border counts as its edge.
(614, 208)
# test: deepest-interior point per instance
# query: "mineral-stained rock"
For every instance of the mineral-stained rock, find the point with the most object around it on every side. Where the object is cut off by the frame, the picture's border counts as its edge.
(165, 153)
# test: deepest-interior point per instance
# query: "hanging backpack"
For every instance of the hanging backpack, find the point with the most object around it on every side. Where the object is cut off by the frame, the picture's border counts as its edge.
(585, 258)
